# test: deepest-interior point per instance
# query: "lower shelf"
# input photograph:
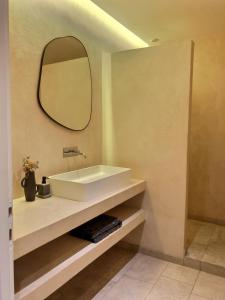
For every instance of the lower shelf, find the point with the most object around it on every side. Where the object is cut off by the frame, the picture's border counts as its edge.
(39, 273)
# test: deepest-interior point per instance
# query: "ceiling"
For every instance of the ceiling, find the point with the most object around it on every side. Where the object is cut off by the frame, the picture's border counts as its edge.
(168, 19)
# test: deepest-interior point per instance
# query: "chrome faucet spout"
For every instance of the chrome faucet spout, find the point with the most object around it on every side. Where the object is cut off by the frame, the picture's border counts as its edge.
(84, 155)
(72, 151)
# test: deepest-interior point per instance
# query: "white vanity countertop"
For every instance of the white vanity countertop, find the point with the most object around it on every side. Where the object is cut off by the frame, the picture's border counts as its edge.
(38, 222)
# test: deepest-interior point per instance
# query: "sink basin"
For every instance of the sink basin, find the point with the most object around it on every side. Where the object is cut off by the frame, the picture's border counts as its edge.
(90, 183)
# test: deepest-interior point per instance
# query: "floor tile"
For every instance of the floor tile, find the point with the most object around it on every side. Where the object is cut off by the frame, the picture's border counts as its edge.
(219, 234)
(196, 251)
(196, 297)
(146, 268)
(215, 253)
(169, 289)
(200, 232)
(207, 248)
(192, 229)
(126, 267)
(103, 292)
(210, 286)
(204, 234)
(128, 289)
(181, 273)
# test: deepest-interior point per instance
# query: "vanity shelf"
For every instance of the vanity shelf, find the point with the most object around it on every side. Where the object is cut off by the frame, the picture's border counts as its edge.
(39, 222)
(42, 271)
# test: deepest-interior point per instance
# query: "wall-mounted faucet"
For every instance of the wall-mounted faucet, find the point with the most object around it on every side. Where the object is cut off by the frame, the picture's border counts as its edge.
(72, 151)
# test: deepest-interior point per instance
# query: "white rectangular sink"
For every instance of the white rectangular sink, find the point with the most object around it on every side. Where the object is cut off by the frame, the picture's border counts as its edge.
(90, 183)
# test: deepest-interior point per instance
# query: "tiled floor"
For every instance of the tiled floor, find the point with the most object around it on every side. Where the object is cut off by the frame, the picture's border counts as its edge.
(122, 275)
(206, 247)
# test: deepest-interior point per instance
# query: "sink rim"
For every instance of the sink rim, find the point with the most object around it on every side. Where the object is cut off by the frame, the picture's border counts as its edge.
(73, 181)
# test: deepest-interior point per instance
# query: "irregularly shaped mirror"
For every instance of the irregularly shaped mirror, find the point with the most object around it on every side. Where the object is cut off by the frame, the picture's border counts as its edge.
(64, 90)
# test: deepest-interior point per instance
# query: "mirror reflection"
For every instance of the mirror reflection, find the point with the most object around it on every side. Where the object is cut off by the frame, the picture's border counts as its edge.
(65, 83)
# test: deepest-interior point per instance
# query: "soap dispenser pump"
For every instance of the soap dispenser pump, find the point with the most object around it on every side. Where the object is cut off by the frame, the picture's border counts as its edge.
(43, 189)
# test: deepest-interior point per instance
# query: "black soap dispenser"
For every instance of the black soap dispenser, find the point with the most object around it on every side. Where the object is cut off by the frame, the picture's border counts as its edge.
(43, 189)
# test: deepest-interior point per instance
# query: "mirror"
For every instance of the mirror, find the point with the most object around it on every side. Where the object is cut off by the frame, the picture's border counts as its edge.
(64, 90)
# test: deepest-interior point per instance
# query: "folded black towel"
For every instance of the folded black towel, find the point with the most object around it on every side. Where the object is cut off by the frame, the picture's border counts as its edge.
(101, 236)
(97, 228)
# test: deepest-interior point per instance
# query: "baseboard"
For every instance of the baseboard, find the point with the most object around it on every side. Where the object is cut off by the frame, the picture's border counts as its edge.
(132, 247)
(187, 261)
(206, 219)
(173, 259)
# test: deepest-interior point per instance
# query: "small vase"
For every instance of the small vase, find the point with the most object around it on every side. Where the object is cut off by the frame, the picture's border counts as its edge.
(29, 185)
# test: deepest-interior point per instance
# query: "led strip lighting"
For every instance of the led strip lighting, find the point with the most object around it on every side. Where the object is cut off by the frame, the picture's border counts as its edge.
(97, 20)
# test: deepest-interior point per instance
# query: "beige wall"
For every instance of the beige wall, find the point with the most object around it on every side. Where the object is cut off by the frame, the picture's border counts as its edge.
(32, 25)
(150, 104)
(207, 155)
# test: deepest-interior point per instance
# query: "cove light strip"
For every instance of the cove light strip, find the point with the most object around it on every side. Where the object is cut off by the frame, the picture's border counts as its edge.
(106, 25)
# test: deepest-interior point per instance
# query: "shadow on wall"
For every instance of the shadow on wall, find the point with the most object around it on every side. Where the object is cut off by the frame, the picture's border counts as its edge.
(207, 163)
(147, 231)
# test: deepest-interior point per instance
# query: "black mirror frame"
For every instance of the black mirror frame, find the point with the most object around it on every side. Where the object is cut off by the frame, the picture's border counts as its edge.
(39, 85)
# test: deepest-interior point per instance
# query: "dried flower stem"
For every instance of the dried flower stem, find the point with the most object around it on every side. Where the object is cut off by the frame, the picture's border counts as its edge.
(29, 166)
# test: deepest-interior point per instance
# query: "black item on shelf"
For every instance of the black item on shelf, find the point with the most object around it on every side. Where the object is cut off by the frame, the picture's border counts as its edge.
(97, 229)
(29, 185)
(43, 189)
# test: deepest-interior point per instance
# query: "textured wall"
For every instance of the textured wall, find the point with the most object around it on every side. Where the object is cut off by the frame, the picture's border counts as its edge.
(150, 104)
(32, 25)
(207, 155)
